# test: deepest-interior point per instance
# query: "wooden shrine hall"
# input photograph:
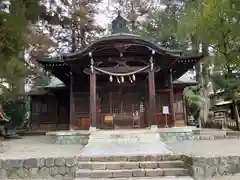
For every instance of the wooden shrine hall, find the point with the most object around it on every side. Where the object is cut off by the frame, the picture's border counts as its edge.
(119, 81)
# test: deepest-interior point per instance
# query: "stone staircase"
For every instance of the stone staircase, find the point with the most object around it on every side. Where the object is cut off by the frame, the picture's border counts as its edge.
(131, 166)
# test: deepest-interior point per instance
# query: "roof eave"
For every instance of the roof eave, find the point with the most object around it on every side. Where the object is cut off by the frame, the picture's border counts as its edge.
(121, 36)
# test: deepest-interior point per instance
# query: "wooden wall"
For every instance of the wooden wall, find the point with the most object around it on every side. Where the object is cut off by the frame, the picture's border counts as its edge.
(162, 99)
(179, 108)
(104, 107)
(81, 119)
(49, 112)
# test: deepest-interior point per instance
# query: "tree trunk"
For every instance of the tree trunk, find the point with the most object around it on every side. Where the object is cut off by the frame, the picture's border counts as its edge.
(236, 113)
(195, 49)
(73, 27)
(205, 80)
(82, 37)
(20, 84)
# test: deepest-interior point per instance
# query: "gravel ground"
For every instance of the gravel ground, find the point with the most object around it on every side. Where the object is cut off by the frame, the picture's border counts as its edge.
(207, 148)
(36, 146)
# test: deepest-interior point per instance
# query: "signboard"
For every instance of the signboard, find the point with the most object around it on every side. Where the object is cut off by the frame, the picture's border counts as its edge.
(165, 110)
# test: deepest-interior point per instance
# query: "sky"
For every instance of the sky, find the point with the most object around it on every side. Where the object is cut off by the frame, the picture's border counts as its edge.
(107, 11)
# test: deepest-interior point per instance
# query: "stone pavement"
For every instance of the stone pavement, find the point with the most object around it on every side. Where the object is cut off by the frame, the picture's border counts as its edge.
(130, 148)
(124, 142)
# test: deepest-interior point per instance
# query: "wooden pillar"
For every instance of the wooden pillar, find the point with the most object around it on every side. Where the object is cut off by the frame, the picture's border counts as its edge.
(152, 98)
(171, 97)
(110, 102)
(185, 111)
(93, 99)
(72, 104)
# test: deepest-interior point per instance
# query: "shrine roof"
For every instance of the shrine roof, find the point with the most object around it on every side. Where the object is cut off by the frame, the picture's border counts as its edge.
(61, 69)
(123, 38)
(57, 67)
(121, 46)
(185, 79)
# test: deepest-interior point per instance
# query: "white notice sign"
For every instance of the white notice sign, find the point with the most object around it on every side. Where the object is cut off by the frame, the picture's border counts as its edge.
(165, 110)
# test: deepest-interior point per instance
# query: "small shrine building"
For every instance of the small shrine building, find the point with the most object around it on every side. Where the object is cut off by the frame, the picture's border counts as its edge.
(119, 81)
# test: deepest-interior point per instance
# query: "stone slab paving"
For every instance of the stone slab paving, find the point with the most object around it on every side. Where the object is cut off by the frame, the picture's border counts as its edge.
(130, 148)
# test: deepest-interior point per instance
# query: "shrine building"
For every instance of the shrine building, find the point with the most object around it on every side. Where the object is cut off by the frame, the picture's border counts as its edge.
(119, 81)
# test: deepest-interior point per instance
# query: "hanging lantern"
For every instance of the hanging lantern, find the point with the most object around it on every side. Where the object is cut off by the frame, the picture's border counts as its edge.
(121, 55)
(111, 78)
(122, 79)
(118, 80)
(130, 79)
(133, 77)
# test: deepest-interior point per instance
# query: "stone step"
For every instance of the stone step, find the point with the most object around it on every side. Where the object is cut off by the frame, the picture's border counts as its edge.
(165, 157)
(144, 178)
(83, 173)
(130, 165)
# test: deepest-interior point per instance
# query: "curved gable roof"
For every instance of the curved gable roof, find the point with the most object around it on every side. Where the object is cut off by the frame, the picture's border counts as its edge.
(126, 38)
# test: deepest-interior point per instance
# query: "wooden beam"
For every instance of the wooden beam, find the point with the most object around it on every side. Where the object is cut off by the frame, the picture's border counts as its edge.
(163, 90)
(93, 99)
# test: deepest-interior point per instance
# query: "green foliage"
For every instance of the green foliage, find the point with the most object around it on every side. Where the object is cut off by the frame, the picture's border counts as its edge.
(13, 31)
(41, 81)
(229, 83)
(193, 99)
(15, 110)
(213, 22)
(161, 26)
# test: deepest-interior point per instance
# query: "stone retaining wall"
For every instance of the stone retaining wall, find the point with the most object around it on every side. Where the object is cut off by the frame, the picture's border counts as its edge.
(174, 136)
(189, 136)
(82, 140)
(65, 168)
(206, 167)
(39, 168)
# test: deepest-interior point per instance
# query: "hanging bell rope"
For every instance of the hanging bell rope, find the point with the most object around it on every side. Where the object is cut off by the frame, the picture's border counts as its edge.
(111, 78)
(122, 79)
(130, 79)
(133, 77)
(118, 80)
